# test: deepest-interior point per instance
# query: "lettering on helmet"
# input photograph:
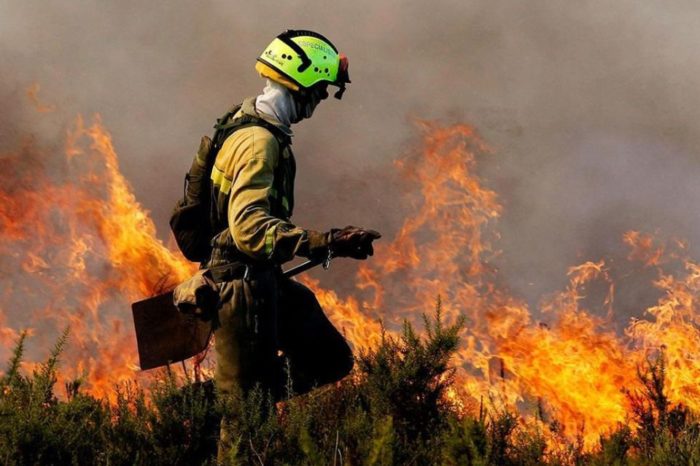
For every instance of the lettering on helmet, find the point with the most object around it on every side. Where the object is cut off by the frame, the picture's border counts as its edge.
(316, 46)
(274, 57)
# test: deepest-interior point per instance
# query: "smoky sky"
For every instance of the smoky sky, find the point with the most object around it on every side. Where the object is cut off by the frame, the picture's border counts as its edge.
(591, 107)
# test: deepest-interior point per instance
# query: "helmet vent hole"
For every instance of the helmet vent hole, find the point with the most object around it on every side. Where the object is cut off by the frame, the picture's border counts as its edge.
(284, 55)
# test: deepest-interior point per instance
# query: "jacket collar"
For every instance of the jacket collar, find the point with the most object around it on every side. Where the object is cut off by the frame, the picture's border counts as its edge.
(248, 108)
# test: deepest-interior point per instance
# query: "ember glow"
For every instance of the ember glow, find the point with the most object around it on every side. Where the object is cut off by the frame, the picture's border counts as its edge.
(77, 249)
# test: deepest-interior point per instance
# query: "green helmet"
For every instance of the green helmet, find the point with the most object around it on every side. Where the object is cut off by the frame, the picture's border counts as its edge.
(301, 59)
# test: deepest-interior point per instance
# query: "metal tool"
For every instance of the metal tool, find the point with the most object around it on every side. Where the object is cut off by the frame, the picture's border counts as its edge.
(164, 335)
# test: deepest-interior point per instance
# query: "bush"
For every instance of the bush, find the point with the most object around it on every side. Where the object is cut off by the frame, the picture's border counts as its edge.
(392, 410)
(178, 426)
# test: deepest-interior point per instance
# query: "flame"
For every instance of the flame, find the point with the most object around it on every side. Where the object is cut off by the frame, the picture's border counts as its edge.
(568, 374)
(643, 248)
(33, 95)
(77, 248)
(674, 330)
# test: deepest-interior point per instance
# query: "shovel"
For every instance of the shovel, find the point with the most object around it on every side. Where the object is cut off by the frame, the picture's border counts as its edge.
(165, 335)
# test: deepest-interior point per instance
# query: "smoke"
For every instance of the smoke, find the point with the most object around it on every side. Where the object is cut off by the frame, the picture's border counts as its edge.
(591, 107)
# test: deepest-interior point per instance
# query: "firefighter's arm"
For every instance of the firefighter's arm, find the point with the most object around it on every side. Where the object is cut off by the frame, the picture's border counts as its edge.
(255, 232)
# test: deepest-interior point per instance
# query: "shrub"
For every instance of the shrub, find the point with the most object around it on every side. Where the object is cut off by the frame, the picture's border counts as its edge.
(392, 410)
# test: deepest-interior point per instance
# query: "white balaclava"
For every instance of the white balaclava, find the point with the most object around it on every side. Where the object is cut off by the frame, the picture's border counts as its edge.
(278, 102)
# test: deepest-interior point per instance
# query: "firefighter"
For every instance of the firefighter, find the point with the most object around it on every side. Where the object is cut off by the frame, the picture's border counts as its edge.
(271, 331)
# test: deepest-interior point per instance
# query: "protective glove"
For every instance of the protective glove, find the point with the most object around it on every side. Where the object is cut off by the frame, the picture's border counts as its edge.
(352, 242)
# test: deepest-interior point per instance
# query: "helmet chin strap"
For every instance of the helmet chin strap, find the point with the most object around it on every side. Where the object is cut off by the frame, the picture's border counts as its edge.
(305, 108)
(339, 93)
(307, 100)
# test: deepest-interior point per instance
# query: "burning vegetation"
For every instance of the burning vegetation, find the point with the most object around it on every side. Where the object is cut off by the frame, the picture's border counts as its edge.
(493, 385)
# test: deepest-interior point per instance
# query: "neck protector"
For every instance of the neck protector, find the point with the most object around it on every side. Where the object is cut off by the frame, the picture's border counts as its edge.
(278, 102)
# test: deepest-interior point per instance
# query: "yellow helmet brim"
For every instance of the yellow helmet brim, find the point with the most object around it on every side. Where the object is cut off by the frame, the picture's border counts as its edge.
(267, 71)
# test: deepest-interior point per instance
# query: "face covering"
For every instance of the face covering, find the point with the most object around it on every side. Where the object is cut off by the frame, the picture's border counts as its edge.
(278, 102)
(306, 104)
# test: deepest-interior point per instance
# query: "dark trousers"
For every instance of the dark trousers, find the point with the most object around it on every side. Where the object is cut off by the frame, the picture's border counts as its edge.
(271, 331)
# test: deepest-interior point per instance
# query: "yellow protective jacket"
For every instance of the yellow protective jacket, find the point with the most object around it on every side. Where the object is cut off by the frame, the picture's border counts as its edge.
(253, 183)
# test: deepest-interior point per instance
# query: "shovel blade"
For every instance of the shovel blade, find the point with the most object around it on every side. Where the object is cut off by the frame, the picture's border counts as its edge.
(164, 335)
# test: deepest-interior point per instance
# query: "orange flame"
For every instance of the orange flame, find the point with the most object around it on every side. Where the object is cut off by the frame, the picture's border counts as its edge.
(573, 370)
(33, 95)
(78, 248)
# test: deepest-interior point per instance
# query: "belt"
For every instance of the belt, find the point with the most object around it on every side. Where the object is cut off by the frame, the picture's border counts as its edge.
(228, 272)
(236, 271)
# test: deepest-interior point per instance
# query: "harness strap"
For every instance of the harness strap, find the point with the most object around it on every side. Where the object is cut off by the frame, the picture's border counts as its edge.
(238, 270)
(225, 126)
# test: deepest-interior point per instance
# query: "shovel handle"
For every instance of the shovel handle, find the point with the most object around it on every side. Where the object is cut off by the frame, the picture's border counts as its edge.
(303, 267)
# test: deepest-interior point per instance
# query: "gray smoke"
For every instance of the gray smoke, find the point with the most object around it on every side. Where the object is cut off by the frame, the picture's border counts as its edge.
(591, 106)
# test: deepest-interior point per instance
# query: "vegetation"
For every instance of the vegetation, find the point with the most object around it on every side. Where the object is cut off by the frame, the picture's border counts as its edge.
(392, 411)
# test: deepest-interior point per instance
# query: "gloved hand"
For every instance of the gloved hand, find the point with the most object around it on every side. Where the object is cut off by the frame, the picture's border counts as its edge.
(352, 242)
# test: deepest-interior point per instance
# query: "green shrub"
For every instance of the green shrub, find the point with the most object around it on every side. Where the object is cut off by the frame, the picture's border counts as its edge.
(665, 434)
(391, 411)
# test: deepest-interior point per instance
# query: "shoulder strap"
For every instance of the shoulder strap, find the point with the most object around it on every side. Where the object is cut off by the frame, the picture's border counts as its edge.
(224, 127)
(223, 124)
